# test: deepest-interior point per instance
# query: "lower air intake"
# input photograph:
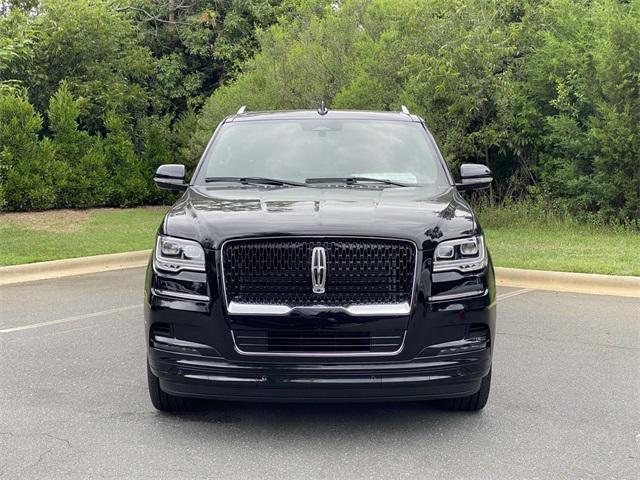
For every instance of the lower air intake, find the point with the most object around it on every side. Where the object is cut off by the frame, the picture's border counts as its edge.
(312, 342)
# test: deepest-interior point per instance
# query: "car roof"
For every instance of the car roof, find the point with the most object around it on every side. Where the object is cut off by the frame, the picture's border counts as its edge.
(248, 116)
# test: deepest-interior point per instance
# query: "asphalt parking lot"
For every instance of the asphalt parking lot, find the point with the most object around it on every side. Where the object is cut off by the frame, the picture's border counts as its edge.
(565, 400)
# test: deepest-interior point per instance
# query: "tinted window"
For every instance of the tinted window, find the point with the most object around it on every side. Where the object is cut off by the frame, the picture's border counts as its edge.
(300, 149)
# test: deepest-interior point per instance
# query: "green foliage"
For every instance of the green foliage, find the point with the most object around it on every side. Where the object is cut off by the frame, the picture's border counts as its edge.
(302, 61)
(16, 44)
(584, 77)
(199, 43)
(27, 167)
(127, 183)
(95, 94)
(181, 139)
(81, 183)
(546, 94)
(96, 51)
(154, 150)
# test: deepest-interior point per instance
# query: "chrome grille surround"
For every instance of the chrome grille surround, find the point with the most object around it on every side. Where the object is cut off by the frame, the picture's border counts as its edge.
(397, 295)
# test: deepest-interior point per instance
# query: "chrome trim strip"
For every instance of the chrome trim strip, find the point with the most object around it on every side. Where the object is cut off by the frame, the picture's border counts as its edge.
(465, 342)
(380, 309)
(180, 295)
(176, 342)
(235, 308)
(315, 354)
(455, 296)
(224, 378)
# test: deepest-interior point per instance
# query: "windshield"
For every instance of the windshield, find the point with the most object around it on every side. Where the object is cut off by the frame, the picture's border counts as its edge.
(296, 150)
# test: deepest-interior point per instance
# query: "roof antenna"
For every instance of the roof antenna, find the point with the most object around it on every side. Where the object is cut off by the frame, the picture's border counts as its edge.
(323, 110)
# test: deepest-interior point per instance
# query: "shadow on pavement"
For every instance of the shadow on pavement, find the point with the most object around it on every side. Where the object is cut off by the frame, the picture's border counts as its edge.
(318, 418)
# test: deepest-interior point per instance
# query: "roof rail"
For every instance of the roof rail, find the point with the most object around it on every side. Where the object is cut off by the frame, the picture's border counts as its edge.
(242, 109)
(404, 109)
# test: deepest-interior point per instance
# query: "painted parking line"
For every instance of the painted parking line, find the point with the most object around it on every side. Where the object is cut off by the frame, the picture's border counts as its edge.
(85, 316)
(71, 319)
(504, 296)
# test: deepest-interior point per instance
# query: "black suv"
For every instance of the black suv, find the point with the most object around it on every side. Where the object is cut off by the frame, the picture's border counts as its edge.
(320, 256)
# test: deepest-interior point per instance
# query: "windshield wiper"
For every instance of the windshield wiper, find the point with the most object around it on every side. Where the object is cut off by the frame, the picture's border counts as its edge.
(254, 181)
(354, 180)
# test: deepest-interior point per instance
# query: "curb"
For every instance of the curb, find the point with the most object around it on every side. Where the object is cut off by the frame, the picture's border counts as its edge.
(589, 283)
(74, 266)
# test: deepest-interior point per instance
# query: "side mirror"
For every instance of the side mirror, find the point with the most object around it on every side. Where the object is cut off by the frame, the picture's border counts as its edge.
(170, 177)
(474, 176)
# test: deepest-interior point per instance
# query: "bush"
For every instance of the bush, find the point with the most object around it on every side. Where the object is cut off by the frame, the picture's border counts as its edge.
(31, 182)
(82, 183)
(94, 49)
(126, 185)
(154, 150)
(29, 171)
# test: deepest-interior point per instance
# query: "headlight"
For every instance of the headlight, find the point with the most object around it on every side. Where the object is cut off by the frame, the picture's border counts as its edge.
(464, 254)
(175, 254)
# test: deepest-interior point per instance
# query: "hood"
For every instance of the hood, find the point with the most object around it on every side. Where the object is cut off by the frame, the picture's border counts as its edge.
(213, 214)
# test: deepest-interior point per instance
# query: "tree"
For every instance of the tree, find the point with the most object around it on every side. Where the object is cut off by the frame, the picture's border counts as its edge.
(127, 185)
(82, 183)
(16, 44)
(578, 92)
(96, 51)
(199, 43)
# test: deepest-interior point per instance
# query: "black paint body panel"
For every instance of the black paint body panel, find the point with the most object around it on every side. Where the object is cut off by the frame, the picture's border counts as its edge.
(203, 361)
(213, 214)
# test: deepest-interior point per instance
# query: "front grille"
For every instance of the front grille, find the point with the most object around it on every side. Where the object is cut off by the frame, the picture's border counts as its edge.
(314, 342)
(358, 271)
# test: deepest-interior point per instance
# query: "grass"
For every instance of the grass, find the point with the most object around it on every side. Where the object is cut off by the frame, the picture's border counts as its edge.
(38, 236)
(516, 237)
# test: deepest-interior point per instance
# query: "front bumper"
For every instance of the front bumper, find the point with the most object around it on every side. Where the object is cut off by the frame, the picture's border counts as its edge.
(196, 357)
(421, 378)
(422, 370)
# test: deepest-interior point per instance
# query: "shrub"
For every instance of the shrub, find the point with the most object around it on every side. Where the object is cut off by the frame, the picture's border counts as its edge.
(154, 134)
(29, 170)
(82, 183)
(126, 182)
(31, 181)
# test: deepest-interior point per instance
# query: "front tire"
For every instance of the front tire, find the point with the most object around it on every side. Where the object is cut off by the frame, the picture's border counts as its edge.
(472, 403)
(164, 401)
